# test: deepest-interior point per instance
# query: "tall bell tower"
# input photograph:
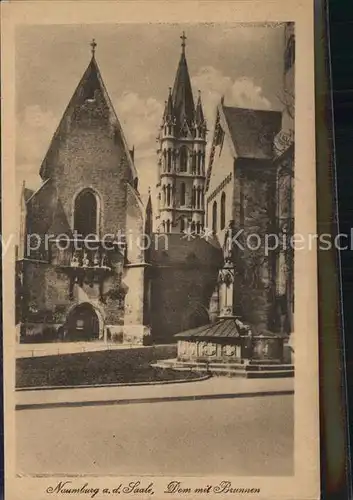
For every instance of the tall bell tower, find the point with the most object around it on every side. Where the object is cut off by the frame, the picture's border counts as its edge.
(181, 157)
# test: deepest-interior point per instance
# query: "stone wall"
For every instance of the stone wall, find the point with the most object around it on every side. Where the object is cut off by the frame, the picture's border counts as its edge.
(183, 278)
(254, 215)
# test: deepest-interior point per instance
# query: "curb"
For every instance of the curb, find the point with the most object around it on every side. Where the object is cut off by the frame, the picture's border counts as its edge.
(97, 386)
(200, 397)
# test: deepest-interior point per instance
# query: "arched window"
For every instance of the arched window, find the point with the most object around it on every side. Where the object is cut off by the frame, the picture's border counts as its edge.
(182, 193)
(168, 226)
(193, 226)
(223, 210)
(183, 159)
(214, 217)
(168, 195)
(86, 213)
(182, 225)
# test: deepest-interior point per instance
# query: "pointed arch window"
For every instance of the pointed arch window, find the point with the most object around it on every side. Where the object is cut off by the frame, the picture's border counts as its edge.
(86, 211)
(223, 210)
(183, 159)
(182, 225)
(198, 202)
(168, 226)
(194, 162)
(168, 195)
(169, 159)
(214, 217)
(164, 160)
(198, 162)
(182, 193)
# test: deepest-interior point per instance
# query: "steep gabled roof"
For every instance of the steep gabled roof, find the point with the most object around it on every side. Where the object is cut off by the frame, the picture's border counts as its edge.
(90, 82)
(251, 133)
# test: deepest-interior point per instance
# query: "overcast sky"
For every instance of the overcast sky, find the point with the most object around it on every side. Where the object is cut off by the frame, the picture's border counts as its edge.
(138, 63)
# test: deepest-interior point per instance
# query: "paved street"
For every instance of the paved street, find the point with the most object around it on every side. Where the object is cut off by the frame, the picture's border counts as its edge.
(216, 428)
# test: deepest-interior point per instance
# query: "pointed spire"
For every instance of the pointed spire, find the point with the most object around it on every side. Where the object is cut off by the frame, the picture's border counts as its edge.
(23, 191)
(200, 117)
(149, 211)
(170, 104)
(168, 109)
(183, 101)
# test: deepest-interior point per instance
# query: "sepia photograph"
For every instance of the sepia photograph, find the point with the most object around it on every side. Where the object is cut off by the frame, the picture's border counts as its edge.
(154, 199)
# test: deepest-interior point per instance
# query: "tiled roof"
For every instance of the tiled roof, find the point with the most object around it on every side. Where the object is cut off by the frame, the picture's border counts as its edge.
(223, 328)
(252, 131)
(226, 328)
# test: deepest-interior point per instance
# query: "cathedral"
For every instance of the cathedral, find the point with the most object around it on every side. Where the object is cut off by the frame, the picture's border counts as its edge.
(78, 278)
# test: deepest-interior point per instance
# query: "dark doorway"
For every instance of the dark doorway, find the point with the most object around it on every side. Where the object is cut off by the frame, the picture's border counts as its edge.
(85, 218)
(82, 324)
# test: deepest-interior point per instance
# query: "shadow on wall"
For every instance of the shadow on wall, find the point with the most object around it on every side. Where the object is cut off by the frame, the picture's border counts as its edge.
(196, 315)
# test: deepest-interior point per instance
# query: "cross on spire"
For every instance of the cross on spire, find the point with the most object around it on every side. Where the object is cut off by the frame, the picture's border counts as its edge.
(183, 38)
(93, 46)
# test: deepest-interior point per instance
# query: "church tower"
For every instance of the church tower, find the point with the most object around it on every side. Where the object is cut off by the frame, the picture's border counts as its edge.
(181, 157)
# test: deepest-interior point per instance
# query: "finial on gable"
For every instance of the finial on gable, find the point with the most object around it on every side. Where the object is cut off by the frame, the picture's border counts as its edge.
(93, 46)
(183, 38)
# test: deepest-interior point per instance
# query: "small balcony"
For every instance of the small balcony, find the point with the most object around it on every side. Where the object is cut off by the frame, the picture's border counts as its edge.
(82, 256)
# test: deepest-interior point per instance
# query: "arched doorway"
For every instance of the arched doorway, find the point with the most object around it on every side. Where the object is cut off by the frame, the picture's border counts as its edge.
(82, 324)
